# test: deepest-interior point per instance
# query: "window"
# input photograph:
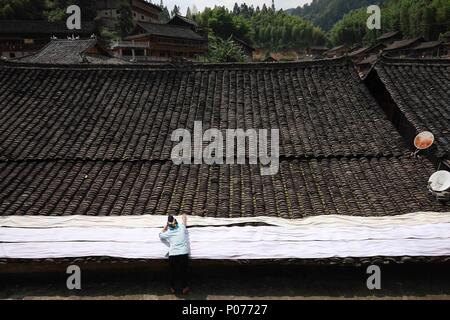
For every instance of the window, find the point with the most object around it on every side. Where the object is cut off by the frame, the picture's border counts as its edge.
(127, 52)
(142, 17)
(12, 55)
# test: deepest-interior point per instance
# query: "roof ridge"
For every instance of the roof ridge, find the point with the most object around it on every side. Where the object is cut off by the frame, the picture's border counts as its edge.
(288, 158)
(341, 61)
(386, 60)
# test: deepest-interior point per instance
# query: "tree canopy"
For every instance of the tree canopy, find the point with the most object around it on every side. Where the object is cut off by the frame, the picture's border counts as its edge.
(325, 13)
(265, 28)
(428, 18)
(52, 10)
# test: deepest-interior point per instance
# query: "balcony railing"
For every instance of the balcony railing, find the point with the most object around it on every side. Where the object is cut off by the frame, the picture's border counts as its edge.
(129, 44)
(146, 58)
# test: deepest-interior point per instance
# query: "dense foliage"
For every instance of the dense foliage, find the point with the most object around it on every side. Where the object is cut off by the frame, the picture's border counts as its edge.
(52, 10)
(265, 28)
(221, 50)
(325, 13)
(22, 9)
(428, 18)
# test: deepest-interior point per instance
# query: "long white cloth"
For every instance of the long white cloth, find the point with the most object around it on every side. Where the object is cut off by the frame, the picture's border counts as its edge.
(416, 234)
(159, 221)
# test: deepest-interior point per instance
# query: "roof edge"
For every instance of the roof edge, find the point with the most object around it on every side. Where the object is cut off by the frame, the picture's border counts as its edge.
(341, 61)
(386, 60)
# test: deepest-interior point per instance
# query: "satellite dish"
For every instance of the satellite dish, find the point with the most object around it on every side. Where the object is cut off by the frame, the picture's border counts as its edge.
(424, 140)
(439, 185)
(440, 181)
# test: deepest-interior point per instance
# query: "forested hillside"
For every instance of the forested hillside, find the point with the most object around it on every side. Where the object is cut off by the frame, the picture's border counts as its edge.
(428, 18)
(325, 13)
(44, 9)
(266, 28)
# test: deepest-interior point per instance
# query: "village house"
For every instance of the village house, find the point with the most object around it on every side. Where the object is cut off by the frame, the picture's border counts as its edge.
(389, 37)
(149, 41)
(246, 48)
(73, 51)
(23, 37)
(336, 52)
(365, 52)
(430, 49)
(402, 48)
(108, 11)
(316, 51)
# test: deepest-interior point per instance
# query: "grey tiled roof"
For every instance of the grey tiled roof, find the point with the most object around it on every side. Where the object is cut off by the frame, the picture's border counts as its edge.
(428, 45)
(364, 187)
(403, 44)
(421, 90)
(96, 141)
(61, 51)
(321, 108)
(168, 30)
(388, 35)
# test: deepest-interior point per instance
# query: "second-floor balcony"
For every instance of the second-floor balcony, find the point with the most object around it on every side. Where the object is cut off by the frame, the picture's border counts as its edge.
(130, 44)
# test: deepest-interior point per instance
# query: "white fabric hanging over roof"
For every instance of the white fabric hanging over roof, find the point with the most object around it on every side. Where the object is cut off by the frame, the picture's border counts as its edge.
(159, 221)
(418, 234)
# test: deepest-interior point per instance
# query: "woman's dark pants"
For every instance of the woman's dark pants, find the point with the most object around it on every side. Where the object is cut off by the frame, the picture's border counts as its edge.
(179, 270)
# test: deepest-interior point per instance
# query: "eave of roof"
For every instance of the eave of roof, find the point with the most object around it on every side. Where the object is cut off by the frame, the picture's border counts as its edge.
(401, 44)
(388, 35)
(337, 48)
(61, 51)
(369, 60)
(167, 30)
(428, 45)
(184, 19)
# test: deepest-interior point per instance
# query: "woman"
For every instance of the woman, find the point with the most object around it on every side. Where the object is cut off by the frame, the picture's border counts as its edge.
(176, 235)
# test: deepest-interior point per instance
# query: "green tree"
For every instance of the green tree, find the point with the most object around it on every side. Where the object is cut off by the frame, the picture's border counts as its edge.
(188, 13)
(428, 18)
(224, 51)
(126, 19)
(22, 9)
(164, 15)
(175, 11)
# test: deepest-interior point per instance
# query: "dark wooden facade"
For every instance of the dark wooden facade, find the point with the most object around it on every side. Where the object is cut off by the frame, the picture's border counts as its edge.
(152, 41)
(19, 38)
